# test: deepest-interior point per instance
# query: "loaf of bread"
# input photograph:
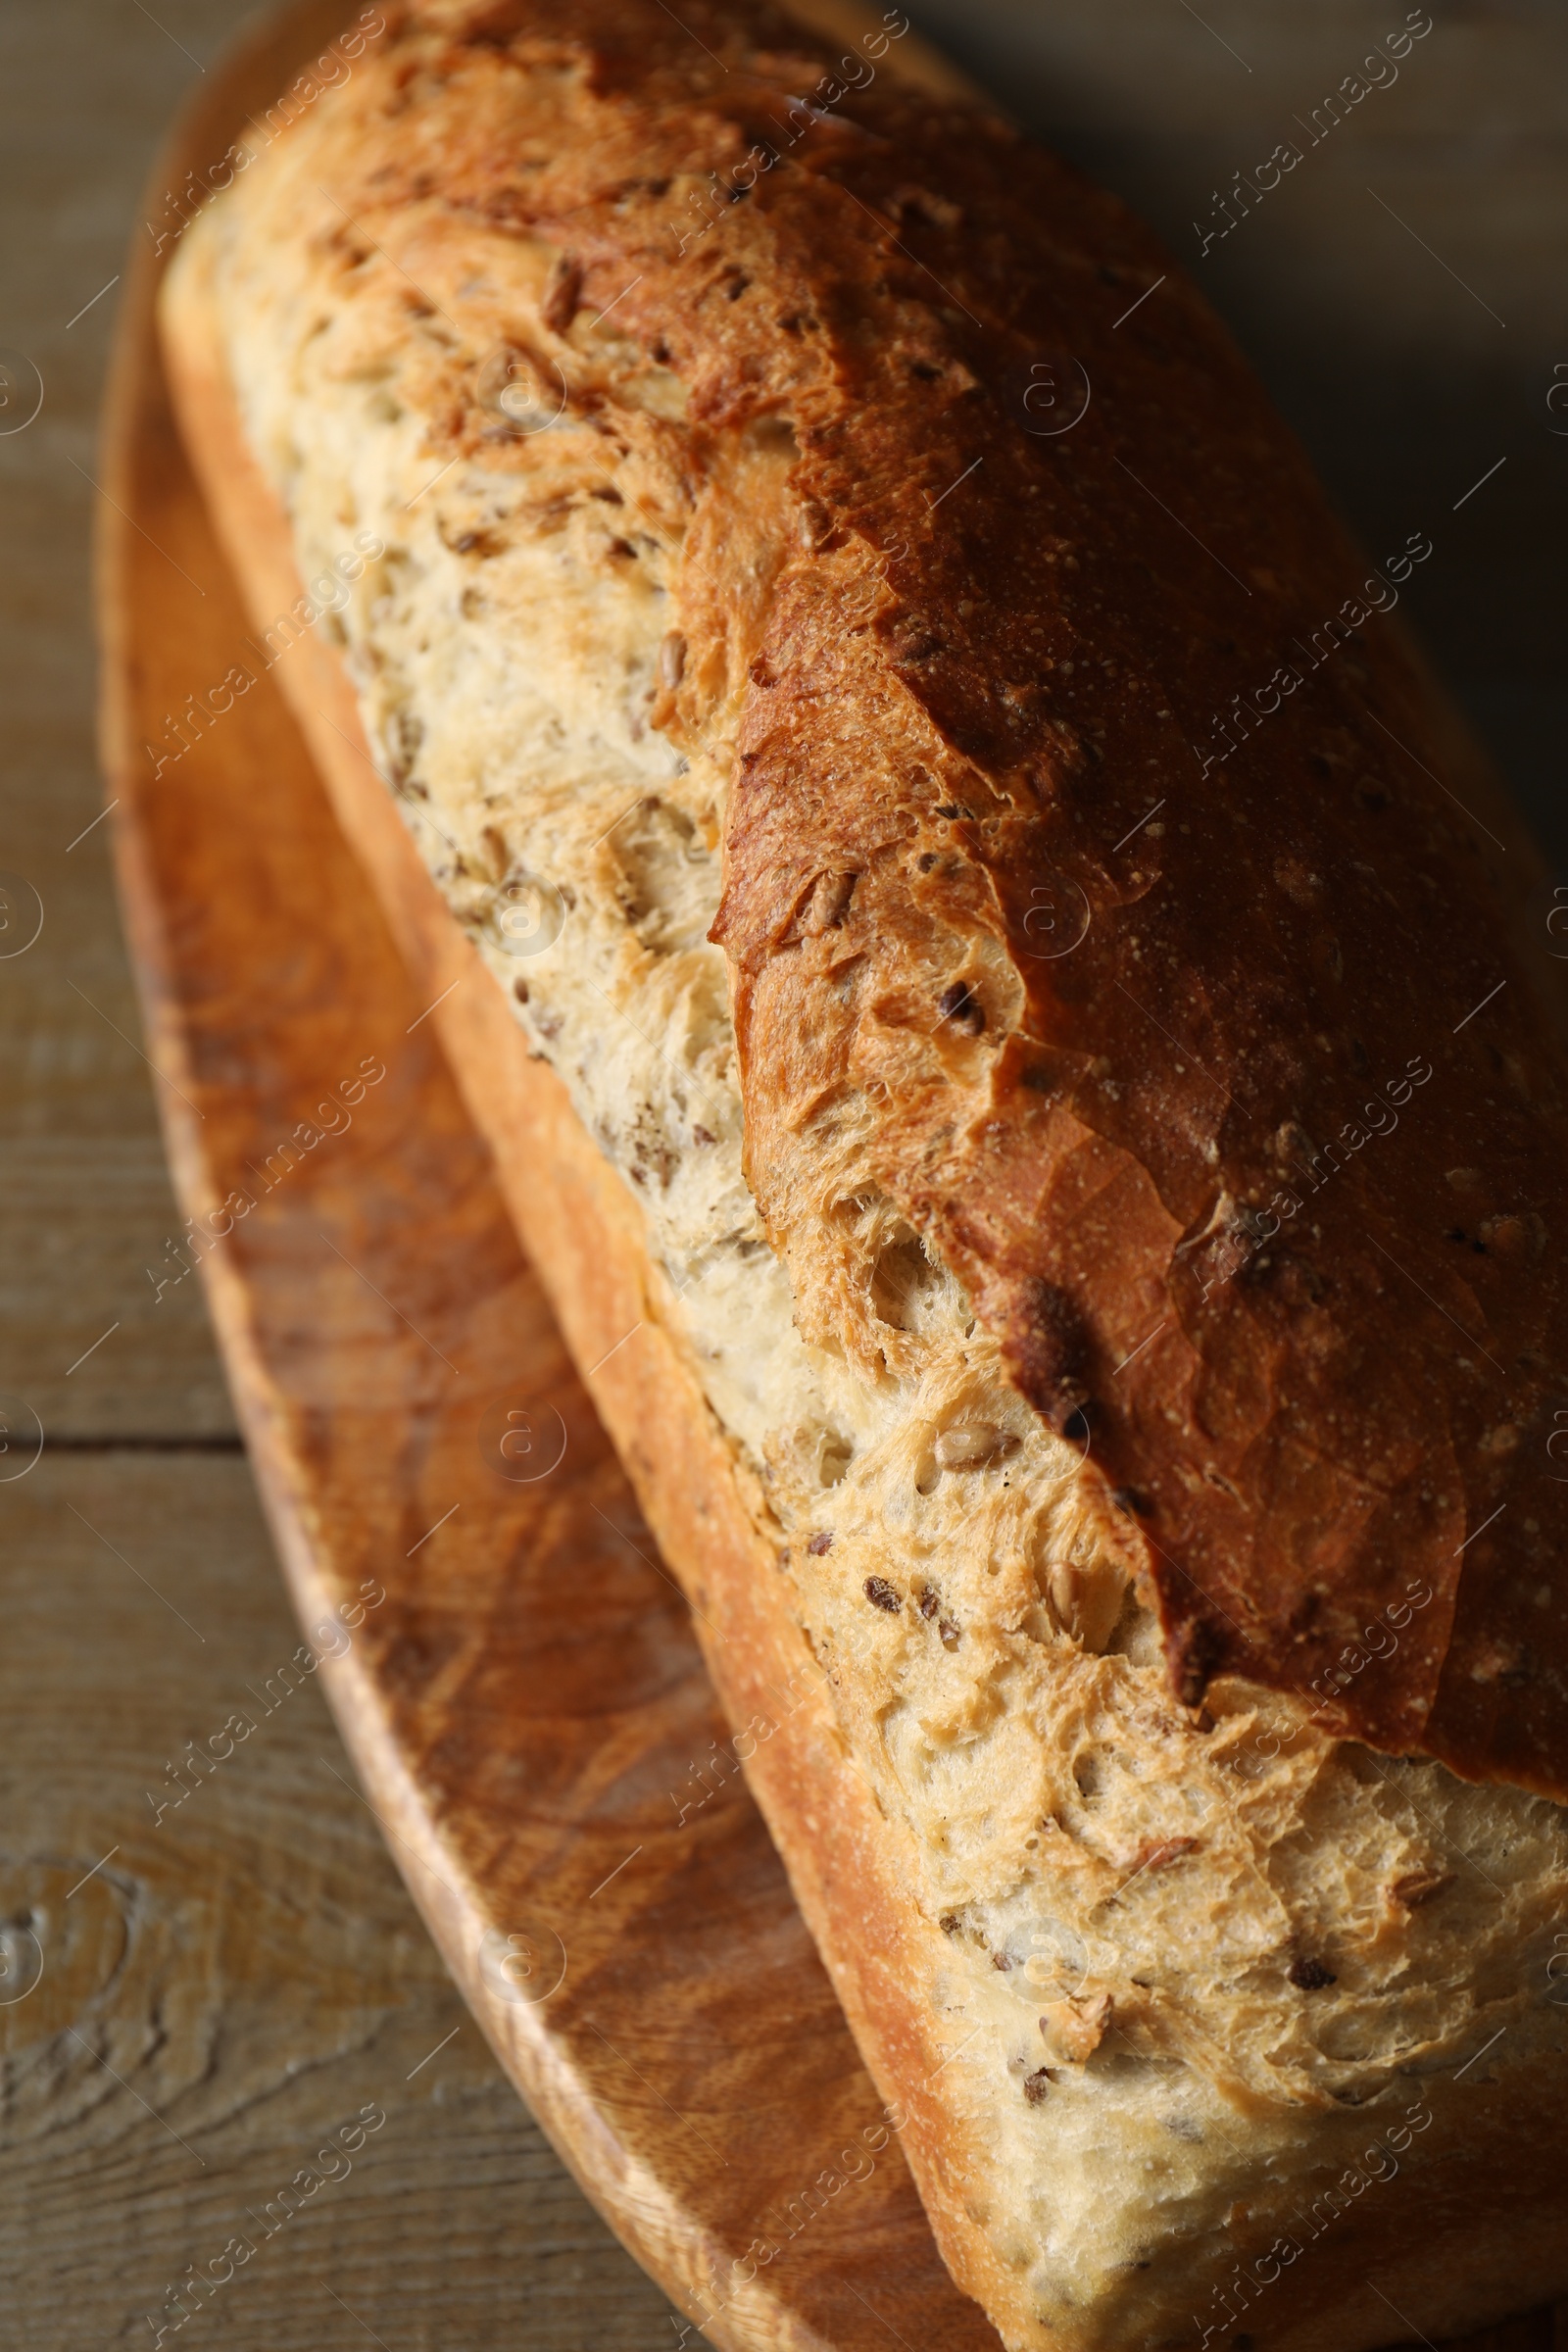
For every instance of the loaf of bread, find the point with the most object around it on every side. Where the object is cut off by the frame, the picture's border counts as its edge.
(982, 955)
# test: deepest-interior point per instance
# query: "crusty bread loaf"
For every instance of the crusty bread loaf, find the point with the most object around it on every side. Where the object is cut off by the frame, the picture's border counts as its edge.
(910, 1008)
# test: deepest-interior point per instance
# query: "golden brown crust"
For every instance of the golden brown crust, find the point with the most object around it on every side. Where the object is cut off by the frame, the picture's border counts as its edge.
(1190, 1049)
(848, 1866)
(1119, 988)
(1466, 2238)
(1317, 1426)
(851, 754)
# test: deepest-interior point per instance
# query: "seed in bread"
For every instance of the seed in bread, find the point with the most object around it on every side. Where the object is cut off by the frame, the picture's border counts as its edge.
(696, 616)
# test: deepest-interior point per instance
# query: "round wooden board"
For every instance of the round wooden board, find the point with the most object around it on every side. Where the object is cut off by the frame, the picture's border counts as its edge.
(520, 1692)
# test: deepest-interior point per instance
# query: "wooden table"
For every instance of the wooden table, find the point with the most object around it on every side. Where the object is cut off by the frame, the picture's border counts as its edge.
(226, 1983)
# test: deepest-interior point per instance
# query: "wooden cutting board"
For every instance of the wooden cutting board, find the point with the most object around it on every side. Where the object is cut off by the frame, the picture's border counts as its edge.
(512, 1669)
(526, 1706)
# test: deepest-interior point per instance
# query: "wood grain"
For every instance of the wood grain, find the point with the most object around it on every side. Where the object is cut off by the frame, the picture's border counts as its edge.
(277, 1974)
(428, 1741)
(526, 1706)
(249, 1967)
(465, 2232)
